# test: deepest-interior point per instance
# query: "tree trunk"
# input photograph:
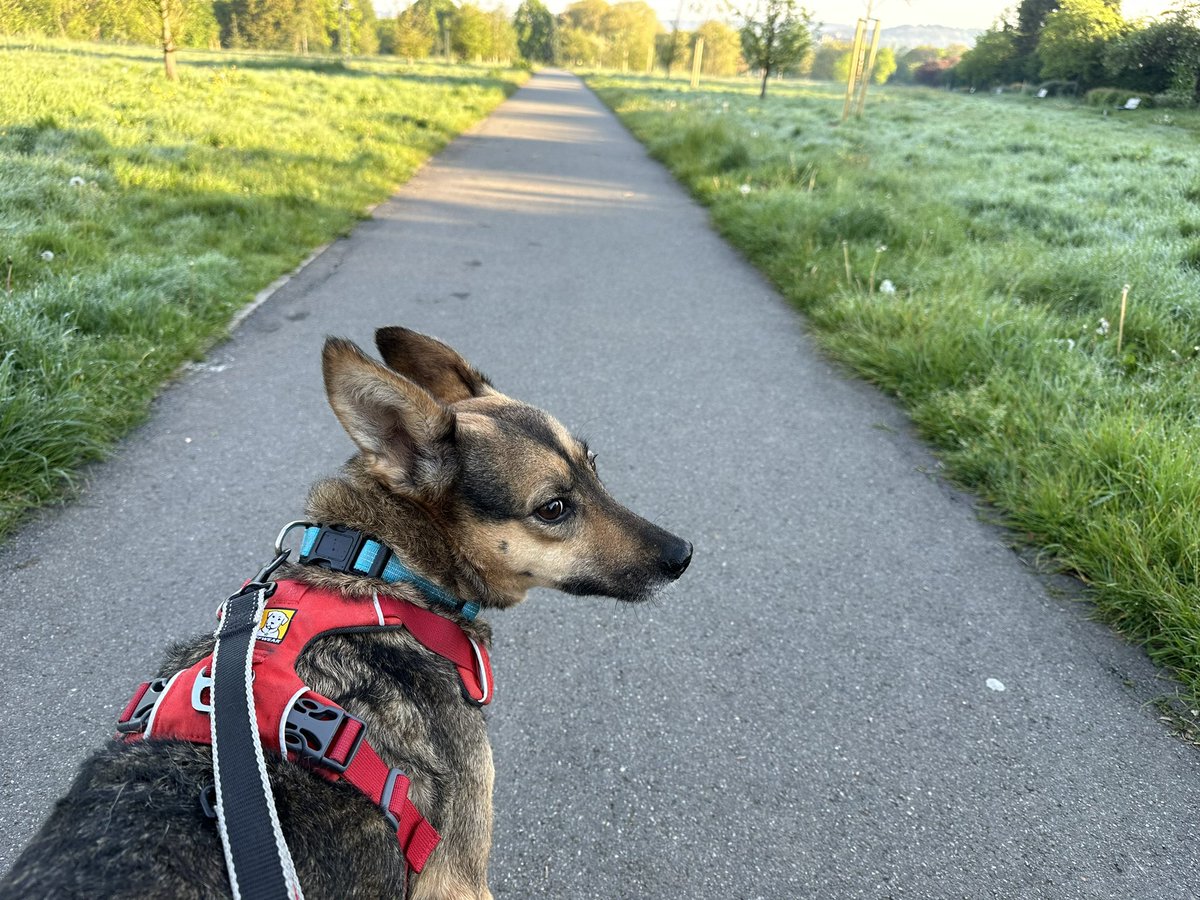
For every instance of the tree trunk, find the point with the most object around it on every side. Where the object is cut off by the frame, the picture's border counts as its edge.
(766, 74)
(168, 41)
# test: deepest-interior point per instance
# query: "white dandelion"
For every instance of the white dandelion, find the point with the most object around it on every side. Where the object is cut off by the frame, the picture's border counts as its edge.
(1104, 326)
(745, 189)
(76, 181)
(48, 255)
(886, 286)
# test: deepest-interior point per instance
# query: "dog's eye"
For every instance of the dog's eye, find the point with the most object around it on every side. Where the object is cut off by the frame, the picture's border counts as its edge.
(554, 511)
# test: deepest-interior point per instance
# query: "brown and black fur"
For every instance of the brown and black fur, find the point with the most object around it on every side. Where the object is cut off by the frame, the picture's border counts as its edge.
(459, 480)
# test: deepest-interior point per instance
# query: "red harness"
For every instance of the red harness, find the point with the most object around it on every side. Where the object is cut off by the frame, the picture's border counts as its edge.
(299, 723)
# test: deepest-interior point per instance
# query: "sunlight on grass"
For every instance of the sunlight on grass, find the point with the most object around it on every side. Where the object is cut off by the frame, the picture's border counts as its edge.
(1007, 228)
(139, 215)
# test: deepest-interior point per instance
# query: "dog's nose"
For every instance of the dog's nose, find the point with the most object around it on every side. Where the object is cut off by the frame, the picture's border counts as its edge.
(675, 558)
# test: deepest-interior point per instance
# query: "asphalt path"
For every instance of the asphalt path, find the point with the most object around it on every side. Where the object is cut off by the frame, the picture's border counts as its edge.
(806, 714)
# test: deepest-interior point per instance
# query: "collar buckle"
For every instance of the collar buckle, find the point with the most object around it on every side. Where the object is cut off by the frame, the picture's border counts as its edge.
(342, 549)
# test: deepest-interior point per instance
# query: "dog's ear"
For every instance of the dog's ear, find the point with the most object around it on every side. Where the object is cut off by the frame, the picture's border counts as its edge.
(406, 436)
(431, 364)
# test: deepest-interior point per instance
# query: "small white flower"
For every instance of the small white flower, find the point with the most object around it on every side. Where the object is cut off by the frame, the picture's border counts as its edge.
(754, 134)
(1104, 326)
(745, 189)
(882, 248)
(886, 286)
(76, 181)
(48, 256)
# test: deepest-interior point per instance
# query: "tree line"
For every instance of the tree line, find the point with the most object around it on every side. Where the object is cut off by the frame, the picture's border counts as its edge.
(1083, 44)
(624, 35)
(300, 26)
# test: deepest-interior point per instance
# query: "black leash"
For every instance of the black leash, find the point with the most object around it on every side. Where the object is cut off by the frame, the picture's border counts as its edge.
(256, 855)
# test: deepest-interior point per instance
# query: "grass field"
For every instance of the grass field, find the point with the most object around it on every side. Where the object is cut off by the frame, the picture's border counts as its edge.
(969, 255)
(137, 216)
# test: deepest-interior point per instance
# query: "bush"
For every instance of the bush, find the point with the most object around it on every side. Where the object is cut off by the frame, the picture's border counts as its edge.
(1109, 97)
(1058, 88)
(1102, 96)
(1173, 101)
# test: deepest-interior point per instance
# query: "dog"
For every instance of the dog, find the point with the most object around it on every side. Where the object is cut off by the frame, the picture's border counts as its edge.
(481, 496)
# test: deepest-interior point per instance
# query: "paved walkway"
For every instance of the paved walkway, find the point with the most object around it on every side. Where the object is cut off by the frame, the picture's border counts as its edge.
(805, 715)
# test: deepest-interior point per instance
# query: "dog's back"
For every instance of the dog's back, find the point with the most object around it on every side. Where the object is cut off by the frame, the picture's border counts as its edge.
(483, 498)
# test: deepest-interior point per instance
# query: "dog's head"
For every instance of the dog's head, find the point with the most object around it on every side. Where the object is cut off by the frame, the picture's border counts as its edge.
(517, 495)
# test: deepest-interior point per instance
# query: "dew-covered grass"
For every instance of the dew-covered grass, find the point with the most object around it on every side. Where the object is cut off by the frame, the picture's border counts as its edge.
(969, 254)
(138, 215)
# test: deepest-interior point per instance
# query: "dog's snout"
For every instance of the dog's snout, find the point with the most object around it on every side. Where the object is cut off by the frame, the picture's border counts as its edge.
(675, 558)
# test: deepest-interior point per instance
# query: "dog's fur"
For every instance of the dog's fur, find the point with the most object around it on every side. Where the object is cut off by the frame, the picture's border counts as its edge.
(459, 480)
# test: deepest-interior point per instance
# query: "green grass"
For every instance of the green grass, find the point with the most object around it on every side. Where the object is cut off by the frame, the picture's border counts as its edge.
(166, 207)
(1007, 227)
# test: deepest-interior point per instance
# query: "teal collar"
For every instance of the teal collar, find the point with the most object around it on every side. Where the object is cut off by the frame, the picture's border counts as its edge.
(342, 549)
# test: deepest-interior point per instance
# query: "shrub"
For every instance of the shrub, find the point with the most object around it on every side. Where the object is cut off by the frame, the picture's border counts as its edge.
(1173, 101)
(1108, 97)
(1058, 88)
(1102, 96)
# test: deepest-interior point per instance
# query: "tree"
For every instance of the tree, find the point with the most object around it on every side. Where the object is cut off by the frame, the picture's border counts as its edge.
(628, 30)
(908, 62)
(504, 36)
(416, 34)
(936, 72)
(578, 46)
(673, 48)
(535, 31)
(1031, 19)
(1072, 42)
(360, 21)
(993, 60)
(586, 15)
(1156, 58)
(722, 48)
(776, 37)
(831, 61)
(471, 33)
(425, 20)
(168, 16)
(885, 65)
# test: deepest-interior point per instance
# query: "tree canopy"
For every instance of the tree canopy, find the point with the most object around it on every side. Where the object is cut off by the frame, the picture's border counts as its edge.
(722, 48)
(776, 37)
(535, 31)
(1072, 42)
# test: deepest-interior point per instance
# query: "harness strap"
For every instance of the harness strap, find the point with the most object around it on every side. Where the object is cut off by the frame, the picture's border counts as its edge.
(291, 718)
(445, 638)
(388, 787)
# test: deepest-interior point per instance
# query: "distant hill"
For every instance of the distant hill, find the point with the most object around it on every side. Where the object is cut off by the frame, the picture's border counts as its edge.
(909, 35)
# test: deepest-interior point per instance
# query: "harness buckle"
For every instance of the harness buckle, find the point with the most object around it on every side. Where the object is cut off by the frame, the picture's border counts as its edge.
(323, 733)
(202, 691)
(133, 720)
(385, 799)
